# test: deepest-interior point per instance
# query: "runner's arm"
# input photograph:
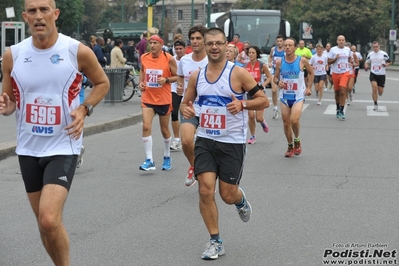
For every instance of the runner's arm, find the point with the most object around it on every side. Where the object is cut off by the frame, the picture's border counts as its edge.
(309, 68)
(186, 106)
(269, 76)
(270, 61)
(248, 84)
(7, 99)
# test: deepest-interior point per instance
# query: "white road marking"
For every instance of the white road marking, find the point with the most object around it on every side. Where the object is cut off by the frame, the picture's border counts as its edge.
(382, 111)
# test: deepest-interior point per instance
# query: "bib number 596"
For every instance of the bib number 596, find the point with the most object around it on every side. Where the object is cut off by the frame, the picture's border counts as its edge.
(43, 115)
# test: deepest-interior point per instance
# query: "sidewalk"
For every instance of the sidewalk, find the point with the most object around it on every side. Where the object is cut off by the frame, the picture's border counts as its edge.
(106, 117)
(393, 68)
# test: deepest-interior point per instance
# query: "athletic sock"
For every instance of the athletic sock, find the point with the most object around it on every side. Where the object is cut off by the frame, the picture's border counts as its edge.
(341, 108)
(297, 139)
(241, 204)
(337, 106)
(375, 103)
(166, 143)
(215, 237)
(177, 139)
(147, 142)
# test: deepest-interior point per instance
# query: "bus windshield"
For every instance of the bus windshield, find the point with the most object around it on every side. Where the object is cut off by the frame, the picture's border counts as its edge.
(258, 30)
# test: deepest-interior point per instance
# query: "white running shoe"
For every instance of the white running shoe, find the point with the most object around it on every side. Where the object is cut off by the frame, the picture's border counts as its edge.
(275, 113)
(176, 145)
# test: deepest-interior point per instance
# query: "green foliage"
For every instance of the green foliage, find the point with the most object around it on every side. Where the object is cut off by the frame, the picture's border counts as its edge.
(18, 8)
(71, 12)
(92, 18)
(359, 20)
(245, 4)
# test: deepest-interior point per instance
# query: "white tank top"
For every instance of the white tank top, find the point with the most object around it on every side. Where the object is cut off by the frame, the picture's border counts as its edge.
(173, 86)
(186, 67)
(46, 86)
(215, 121)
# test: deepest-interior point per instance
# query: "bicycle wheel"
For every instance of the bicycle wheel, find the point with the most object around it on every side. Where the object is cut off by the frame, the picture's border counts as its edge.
(129, 89)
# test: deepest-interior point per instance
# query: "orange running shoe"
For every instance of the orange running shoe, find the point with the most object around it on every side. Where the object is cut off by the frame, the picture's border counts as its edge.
(290, 152)
(297, 148)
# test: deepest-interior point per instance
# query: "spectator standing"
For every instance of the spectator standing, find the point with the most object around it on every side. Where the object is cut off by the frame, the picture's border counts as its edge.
(98, 51)
(117, 58)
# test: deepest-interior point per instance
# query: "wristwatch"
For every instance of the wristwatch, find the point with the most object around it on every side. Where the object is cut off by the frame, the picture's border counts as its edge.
(89, 109)
(244, 104)
(167, 80)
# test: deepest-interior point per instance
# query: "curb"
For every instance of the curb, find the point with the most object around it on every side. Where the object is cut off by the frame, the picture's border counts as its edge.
(7, 149)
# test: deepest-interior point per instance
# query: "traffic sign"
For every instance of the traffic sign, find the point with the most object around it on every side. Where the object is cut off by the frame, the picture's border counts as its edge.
(392, 35)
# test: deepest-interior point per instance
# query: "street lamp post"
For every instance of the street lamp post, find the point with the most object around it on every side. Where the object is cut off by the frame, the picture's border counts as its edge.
(123, 11)
(192, 13)
(163, 18)
(392, 28)
(207, 11)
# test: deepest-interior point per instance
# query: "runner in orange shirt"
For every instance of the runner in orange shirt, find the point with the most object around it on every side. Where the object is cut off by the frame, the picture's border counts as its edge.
(157, 72)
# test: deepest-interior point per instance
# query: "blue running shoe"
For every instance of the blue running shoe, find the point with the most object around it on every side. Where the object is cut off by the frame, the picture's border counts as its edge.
(213, 250)
(342, 116)
(147, 165)
(167, 163)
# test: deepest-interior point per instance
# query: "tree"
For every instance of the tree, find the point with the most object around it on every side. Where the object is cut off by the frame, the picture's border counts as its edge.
(18, 8)
(70, 15)
(92, 17)
(358, 20)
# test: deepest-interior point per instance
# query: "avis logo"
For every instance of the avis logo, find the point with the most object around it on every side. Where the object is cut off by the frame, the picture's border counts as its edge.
(213, 132)
(42, 130)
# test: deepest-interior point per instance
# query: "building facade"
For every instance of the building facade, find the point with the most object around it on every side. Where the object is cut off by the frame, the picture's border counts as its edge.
(179, 15)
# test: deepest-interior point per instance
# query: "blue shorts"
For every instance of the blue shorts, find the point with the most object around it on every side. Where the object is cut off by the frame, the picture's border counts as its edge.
(290, 103)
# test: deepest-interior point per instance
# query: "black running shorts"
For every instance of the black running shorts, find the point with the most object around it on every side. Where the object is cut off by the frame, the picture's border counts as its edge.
(160, 110)
(40, 171)
(380, 79)
(224, 159)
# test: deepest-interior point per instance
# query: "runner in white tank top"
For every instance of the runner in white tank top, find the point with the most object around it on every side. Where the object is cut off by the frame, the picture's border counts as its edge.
(220, 147)
(42, 80)
(187, 65)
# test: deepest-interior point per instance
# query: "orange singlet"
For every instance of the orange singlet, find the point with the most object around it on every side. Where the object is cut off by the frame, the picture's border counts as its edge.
(154, 68)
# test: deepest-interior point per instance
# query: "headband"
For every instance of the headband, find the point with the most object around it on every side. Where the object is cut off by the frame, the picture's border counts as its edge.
(156, 38)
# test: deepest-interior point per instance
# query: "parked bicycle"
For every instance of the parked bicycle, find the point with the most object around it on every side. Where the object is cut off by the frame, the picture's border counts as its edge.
(131, 84)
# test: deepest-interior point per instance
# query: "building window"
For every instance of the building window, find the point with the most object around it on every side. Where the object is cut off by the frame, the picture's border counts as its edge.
(180, 15)
(215, 10)
(196, 14)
